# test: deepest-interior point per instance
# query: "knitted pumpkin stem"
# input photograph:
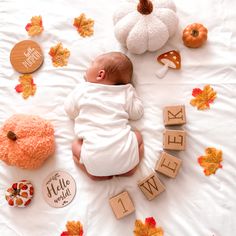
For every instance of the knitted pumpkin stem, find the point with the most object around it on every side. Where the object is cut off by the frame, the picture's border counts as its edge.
(11, 135)
(145, 7)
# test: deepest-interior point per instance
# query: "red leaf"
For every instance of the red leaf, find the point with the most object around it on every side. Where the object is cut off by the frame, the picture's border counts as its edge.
(196, 91)
(150, 221)
(65, 233)
(19, 88)
(199, 159)
(27, 27)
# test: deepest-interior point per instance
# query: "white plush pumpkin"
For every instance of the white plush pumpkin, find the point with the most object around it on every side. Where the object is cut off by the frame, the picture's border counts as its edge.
(145, 25)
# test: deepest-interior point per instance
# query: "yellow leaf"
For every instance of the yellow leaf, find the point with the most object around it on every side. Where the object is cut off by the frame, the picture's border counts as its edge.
(59, 55)
(203, 98)
(26, 86)
(35, 27)
(147, 229)
(211, 162)
(74, 228)
(84, 26)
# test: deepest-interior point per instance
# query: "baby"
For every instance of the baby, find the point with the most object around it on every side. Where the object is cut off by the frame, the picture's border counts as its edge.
(105, 144)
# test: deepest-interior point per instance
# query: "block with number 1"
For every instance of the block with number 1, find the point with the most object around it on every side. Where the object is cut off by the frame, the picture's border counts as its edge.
(122, 205)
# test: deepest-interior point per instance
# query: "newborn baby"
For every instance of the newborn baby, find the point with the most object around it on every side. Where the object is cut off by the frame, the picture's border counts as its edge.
(101, 107)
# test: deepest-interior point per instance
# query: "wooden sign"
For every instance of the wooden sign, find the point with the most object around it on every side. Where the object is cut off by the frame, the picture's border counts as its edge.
(26, 56)
(59, 189)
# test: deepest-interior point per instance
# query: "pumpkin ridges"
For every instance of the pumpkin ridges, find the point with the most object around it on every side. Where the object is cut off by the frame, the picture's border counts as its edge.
(134, 39)
(194, 35)
(35, 141)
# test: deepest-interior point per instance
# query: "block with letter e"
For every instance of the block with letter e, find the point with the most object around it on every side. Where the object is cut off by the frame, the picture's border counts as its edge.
(174, 115)
(168, 165)
(122, 205)
(174, 140)
(151, 186)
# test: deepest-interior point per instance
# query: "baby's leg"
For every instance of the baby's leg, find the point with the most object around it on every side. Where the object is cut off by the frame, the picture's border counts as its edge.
(76, 150)
(141, 153)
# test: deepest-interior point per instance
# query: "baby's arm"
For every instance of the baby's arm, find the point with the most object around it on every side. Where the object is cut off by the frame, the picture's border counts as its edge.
(71, 104)
(134, 105)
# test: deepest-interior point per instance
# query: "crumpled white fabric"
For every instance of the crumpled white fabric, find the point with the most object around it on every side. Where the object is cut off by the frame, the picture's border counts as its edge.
(192, 204)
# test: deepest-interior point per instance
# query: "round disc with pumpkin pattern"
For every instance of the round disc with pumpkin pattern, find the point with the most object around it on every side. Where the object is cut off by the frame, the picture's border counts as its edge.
(20, 194)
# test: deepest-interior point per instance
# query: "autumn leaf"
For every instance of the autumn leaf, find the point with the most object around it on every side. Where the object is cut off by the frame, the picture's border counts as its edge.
(84, 26)
(203, 98)
(211, 162)
(148, 228)
(35, 27)
(74, 228)
(59, 55)
(26, 86)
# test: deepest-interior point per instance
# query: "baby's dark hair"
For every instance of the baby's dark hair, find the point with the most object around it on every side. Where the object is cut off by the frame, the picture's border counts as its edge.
(118, 67)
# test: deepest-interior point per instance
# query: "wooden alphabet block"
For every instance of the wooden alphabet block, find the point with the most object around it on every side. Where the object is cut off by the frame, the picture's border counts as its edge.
(174, 115)
(122, 205)
(174, 140)
(168, 165)
(151, 186)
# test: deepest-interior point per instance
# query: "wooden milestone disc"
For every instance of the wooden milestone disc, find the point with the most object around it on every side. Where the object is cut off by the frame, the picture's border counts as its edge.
(59, 189)
(26, 56)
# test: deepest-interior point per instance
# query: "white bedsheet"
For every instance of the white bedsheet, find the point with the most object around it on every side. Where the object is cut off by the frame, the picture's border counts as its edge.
(193, 204)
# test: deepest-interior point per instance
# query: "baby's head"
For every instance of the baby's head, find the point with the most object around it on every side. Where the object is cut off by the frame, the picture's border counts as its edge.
(113, 68)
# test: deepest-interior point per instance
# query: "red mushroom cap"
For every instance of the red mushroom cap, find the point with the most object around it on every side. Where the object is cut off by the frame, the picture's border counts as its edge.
(172, 59)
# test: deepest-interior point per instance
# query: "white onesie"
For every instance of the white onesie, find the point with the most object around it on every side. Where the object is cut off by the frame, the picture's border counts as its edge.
(101, 114)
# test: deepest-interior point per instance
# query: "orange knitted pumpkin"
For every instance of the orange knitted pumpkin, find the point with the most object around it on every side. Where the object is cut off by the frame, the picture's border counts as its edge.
(194, 35)
(26, 141)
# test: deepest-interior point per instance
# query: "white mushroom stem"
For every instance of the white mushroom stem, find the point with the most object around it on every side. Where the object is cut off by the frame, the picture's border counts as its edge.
(162, 72)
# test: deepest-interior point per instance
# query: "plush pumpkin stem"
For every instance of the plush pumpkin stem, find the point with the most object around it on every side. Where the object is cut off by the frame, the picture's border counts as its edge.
(145, 7)
(11, 135)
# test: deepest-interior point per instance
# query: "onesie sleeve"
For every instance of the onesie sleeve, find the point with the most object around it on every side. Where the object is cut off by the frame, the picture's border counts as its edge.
(71, 104)
(134, 105)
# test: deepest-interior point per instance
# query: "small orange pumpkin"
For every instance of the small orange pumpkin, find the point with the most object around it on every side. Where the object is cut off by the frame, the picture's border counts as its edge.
(26, 141)
(194, 35)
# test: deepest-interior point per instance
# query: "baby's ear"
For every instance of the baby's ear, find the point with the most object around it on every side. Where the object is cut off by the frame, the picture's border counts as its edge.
(101, 75)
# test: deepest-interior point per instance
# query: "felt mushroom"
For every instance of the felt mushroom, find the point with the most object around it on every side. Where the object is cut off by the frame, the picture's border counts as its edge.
(169, 59)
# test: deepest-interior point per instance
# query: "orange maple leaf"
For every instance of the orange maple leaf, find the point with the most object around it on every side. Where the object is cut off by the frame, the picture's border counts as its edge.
(84, 26)
(26, 86)
(203, 98)
(148, 228)
(59, 55)
(74, 228)
(35, 27)
(211, 162)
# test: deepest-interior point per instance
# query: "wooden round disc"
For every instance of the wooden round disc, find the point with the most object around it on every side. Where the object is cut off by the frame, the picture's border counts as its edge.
(59, 189)
(26, 56)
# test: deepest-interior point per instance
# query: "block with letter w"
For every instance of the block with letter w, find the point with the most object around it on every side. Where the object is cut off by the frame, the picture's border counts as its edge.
(151, 186)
